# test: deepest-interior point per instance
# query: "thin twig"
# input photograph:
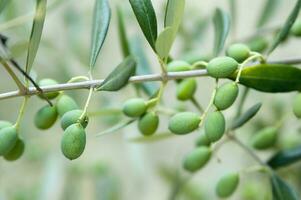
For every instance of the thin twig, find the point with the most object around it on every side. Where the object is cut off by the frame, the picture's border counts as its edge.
(96, 83)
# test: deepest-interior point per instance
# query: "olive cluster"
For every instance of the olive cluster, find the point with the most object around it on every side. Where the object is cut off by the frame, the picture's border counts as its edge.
(73, 121)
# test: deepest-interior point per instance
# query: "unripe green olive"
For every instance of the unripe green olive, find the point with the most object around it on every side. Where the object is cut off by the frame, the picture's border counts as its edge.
(239, 52)
(184, 123)
(178, 65)
(196, 159)
(215, 126)
(203, 140)
(48, 82)
(64, 104)
(4, 124)
(45, 117)
(297, 105)
(74, 141)
(222, 67)
(148, 123)
(8, 139)
(134, 107)
(226, 95)
(265, 138)
(227, 185)
(186, 89)
(258, 44)
(296, 28)
(72, 117)
(16, 152)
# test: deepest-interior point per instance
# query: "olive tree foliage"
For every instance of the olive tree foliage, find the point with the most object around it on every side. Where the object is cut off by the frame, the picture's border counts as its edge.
(244, 64)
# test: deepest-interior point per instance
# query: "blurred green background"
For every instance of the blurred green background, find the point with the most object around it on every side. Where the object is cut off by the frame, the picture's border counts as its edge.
(115, 167)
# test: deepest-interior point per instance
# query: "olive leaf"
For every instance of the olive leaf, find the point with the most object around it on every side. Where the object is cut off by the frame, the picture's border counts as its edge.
(174, 14)
(150, 139)
(119, 77)
(233, 13)
(101, 22)
(116, 127)
(281, 190)
(267, 12)
(164, 42)
(271, 78)
(285, 157)
(122, 33)
(221, 21)
(143, 66)
(146, 17)
(245, 117)
(286, 27)
(36, 33)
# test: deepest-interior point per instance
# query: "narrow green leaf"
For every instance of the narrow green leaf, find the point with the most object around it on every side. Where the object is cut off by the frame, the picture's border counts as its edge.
(119, 77)
(116, 128)
(150, 139)
(143, 66)
(146, 18)
(164, 43)
(174, 14)
(233, 13)
(286, 27)
(285, 157)
(122, 33)
(221, 21)
(245, 117)
(3, 3)
(267, 12)
(101, 22)
(281, 190)
(36, 33)
(271, 78)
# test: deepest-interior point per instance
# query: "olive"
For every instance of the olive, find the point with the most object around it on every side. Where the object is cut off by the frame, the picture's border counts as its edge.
(73, 141)
(239, 52)
(45, 117)
(215, 126)
(227, 185)
(148, 123)
(134, 107)
(64, 104)
(184, 123)
(16, 152)
(8, 139)
(178, 65)
(48, 82)
(265, 138)
(196, 159)
(222, 67)
(226, 96)
(186, 89)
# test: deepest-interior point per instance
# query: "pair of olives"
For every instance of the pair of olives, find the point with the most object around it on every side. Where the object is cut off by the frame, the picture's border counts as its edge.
(11, 146)
(185, 88)
(148, 120)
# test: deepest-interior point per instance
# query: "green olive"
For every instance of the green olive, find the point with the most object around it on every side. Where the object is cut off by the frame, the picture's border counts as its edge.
(215, 126)
(64, 104)
(258, 44)
(4, 124)
(226, 96)
(227, 185)
(222, 67)
(16, 152)
(178, 65)
(74, 141)
(239, 52)
(148, 123)
(186, 89)
(8, 139)
(72, 117)
(265, 138)
(48, 82)
(134, 107)
(297, 105)
(45, 117)
(184, 123)
(203, 140)
(196, 159)
(296, 28)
